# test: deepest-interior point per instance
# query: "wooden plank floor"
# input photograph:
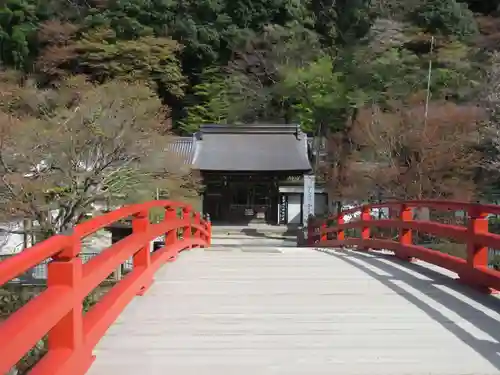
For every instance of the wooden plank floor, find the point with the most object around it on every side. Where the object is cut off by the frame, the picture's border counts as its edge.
(289, 311)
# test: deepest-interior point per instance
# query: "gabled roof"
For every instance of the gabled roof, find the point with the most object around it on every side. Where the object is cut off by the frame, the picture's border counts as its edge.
(259, 147)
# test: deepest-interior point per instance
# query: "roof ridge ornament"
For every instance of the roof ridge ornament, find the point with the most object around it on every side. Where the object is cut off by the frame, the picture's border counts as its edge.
(257, 128)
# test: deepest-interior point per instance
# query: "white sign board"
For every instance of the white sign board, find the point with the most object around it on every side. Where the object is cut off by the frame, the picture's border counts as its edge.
(309, 189)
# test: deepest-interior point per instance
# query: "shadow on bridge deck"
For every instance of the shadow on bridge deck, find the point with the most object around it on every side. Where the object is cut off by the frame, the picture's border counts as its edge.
(471, 316)
(297, 311)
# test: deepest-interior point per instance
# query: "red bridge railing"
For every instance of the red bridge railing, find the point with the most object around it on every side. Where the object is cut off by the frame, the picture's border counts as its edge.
(474, 234)
(57, 311)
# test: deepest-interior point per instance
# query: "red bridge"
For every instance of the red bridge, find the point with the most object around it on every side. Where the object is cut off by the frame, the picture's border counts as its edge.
(365, 297)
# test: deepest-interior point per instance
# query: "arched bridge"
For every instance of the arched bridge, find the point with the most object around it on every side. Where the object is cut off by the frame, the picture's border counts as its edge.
(377, 291)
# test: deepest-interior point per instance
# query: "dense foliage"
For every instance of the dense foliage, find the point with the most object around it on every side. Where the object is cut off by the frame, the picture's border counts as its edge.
(323, 63)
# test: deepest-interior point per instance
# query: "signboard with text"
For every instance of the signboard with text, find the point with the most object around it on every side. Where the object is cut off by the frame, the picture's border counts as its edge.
(309, 189)
(283, 219)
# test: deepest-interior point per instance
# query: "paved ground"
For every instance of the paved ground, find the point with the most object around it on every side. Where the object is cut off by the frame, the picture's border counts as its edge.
(288, 311)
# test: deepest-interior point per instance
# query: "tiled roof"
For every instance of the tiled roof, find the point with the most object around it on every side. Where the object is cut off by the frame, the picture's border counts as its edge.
(262, 150)
(183, 147)
(259, 147)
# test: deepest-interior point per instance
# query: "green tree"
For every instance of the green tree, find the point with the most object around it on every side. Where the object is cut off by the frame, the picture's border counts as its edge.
(249, 88)
(215, 98)
(341, 23)
(317, 93)
(102, 56)
(18, 24)
(448, 17)
(209, 30)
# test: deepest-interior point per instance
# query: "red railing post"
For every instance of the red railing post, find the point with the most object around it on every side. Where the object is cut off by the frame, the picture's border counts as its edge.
(365, 229)
(66, 271)
(340, 232)
(209, 232)
(171, 236)
(186, 217)
(142, 258)
(477, 253)
(405, 234)
(324, 235)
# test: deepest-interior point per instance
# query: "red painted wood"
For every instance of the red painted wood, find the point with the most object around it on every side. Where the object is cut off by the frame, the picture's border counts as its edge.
(365, 226)
(58, 310)
(405, 230)
(13, 266)
(473, 270)
(324, 235)
(340, 233)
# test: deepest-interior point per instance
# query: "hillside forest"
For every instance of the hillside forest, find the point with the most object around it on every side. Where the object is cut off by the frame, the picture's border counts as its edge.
(404, 93)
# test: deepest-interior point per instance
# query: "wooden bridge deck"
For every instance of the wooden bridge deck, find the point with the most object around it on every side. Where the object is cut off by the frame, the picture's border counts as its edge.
(291, 311)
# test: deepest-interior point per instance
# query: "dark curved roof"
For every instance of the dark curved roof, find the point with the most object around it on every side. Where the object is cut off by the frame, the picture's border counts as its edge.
(259, 147)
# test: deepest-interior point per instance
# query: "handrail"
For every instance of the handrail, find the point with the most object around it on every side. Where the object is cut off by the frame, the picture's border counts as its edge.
(473, 270)
(57, 311)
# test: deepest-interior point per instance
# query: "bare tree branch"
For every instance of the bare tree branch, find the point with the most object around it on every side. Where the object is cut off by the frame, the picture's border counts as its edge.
(65, 154)
(402, 156)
